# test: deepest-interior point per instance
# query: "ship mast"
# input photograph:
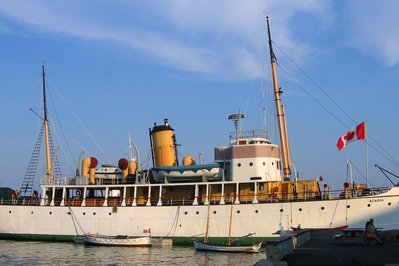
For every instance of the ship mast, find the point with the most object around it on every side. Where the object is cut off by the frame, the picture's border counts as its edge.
(280, 113)
(46, 131)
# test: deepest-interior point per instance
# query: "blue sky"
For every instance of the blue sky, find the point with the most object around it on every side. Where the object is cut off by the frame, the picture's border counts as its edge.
(116, 67)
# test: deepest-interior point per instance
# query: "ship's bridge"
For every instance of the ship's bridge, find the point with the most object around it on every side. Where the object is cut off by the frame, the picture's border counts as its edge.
(249, 137)
(250, 156)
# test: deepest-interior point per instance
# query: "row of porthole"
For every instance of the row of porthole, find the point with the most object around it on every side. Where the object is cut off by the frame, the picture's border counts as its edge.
(69, 213)
(250, 164)
(347, 206)
(281, 210)
(214, 212)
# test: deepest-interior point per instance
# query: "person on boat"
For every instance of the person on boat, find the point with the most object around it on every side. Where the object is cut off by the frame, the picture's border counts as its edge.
(12, 192)
(34, 197)
(371, 232)
(17, 194)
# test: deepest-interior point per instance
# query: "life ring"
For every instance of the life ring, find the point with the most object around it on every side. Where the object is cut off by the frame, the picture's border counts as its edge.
(78, 192)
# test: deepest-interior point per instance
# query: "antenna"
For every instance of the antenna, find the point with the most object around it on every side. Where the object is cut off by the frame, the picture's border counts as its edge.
(236, 119)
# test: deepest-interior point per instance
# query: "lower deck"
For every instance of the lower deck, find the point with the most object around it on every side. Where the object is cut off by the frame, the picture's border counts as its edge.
(202, 193)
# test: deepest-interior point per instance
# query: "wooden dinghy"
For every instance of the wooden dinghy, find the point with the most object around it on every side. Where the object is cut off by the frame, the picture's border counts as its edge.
(119, 240)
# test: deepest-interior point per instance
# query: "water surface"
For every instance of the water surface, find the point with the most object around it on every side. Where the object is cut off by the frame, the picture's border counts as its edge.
(45, 253)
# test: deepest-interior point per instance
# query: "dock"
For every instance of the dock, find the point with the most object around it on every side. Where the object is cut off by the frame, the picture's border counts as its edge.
(332, 252)
(323, 249)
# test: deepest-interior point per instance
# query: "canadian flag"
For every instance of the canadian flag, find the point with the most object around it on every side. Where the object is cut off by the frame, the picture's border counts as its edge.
(356, 134)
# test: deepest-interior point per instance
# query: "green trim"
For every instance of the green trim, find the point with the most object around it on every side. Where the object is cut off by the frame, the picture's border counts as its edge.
(178, 241)
(36, 237)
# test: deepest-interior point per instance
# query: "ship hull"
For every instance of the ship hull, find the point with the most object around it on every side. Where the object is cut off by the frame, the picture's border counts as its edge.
(185, 223)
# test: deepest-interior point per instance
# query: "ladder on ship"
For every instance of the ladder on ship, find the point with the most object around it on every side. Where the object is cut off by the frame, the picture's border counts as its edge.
(29, 179)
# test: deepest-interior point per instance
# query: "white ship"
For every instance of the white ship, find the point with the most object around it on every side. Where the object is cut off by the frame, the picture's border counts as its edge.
(173, 199)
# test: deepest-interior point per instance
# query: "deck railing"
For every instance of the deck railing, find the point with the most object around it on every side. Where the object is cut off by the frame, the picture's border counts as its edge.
(251, 134)
(214, 200)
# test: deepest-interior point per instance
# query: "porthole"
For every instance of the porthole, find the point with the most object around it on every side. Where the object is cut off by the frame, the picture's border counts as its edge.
(185, 213)
(300, 209)
(322, 208)
(238, 211)
(69, 213)
(251, 164)
(281, 210)
(272, 163)
(197, 212)
(31, 212)
(348, 206)
(214, 212)
(389, 204)
(84, 213)
(9, 212)
(256, 211)
(94, 213)
(239, 164)
(264, 163)
(51, 213)
(109, 213)
(368, 205)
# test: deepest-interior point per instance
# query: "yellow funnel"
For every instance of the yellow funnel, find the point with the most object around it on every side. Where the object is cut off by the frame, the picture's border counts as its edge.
(163, 142)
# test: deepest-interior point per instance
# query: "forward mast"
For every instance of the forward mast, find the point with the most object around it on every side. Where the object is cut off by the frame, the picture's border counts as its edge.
(49, 175)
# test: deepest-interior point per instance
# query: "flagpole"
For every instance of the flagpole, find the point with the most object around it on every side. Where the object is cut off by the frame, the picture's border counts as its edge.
(367, 155)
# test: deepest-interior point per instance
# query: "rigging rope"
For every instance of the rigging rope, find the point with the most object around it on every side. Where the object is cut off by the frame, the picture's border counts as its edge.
(174, 224)
(387, 156)
(75, 219)
(82, 124)
(62, 131)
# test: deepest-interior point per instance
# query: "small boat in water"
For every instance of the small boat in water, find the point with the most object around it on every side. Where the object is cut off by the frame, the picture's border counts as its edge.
(242, 249)
(205, 246)
(119, 240)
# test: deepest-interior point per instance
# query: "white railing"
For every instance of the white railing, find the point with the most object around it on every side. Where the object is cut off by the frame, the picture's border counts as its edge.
(255, 134)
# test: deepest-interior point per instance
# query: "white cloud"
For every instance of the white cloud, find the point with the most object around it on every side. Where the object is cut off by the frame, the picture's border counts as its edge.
(216, 39)
(375, 29)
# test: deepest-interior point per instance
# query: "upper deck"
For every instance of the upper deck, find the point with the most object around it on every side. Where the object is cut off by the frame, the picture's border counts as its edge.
(249, 137)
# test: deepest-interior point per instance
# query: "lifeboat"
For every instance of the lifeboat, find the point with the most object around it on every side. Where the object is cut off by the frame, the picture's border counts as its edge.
(187, 173)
